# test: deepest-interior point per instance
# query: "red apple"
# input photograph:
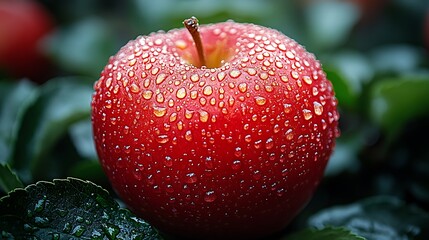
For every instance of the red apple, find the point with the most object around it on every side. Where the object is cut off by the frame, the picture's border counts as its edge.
(223, 136)
(23, 25)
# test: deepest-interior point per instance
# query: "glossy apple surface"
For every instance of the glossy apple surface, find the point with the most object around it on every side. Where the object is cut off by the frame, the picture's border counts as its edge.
(234, 149)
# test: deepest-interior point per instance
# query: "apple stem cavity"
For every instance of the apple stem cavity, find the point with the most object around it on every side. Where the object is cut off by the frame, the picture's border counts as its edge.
(192, 25)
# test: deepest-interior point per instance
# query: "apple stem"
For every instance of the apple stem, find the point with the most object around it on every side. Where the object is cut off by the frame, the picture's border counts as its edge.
(192, 25)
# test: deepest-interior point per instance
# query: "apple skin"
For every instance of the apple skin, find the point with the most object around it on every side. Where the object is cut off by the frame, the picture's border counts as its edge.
(232, 150)
(23, 25)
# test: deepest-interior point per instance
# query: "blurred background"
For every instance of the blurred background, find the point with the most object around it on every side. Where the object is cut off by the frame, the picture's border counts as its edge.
(374, 51)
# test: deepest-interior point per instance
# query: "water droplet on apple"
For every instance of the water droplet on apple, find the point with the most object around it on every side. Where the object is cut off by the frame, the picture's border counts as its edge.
(221, 76)
(289, 134)
(269, 143)
(173, 117)
(235, 73)
(188, 135)
(307, 114)
(147, 94)
(294, 74)
(160, 98)
(242, 87)
(238, 152)
(257, 175)
(168, 161)
(260, 100)
(236, 165)
(160, 78)
(318, 108)
(281, 47)
(204, 116)
(210, 196)
(251, 71)
(134, 88)
(159, 111)
(208, 90)
(307, 80)
(181, 93)
(180, 44)
(162, 138)
(263, 76)
(195, 78)
(191, 178)
(290, 55)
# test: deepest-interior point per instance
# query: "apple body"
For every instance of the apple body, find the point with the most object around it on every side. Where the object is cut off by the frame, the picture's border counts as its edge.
(23, 26)
(232, 149)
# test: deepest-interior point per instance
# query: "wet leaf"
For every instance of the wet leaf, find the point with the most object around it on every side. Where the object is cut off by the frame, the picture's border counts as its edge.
(328, 233)
(377, 218)
(68, 208)
(398, 100)
(8, 179)
(15, 97)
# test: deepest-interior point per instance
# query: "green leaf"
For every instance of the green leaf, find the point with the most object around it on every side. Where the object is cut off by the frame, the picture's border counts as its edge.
(68, 208)
(81, 134)
(377, 218)
(328, 233)
(8, 179)
(62, 102)
(84, 47)
(324, 25)
(398, 100)
(15, 97)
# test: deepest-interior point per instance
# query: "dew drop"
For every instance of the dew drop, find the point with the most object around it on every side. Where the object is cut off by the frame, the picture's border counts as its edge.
(191, 178)
(307, 80)
(221, 76)
(160, 98)
(160, 78)
(188, 135)
(307, 114)
(173, 117)
(318, 108)
(181, 93)
(210, 196)
(242, 87)
(260, 100)
(236, 165)
(204, 116)
(235, 73)
(269, 143)
(289, 134)
(263, 76)
(147, 94)
(168, 161)
(208, 90)
(238, 152)
(158, 41)
(110, 230)
(282, 47)
(294, 74)
(195, 78)
(284, 79)
(162, 139)
(180, 44)
(159, 111)
(290, 55)
(251, 71)
(257, 175)
(134, 88)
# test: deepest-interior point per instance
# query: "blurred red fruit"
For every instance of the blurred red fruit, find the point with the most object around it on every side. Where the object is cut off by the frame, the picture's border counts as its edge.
(23, 25)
